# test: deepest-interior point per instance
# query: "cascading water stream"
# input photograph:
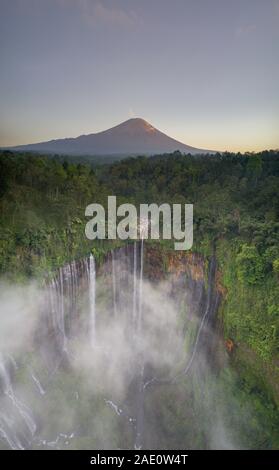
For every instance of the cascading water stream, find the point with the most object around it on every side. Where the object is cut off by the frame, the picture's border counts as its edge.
(131, 263)
(141, 362)
(8, 435)
(211, 306)
(92, 298)
(113, 282)
(18, 409)
(208, 309)
(56, 298)
(37, 382)
(140, 286)
(134, 285)
(62, 311)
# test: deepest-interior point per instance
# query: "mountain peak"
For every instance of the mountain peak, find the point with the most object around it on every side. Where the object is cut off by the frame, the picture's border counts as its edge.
(135, 136)
(136, 121)
(136, 124)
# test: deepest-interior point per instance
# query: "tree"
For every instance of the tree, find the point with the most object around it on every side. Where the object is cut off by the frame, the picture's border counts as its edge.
(250, 265)
(254, 167)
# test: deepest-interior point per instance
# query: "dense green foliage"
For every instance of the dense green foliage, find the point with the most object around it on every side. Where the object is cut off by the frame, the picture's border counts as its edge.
(42, 202)
(236, 208)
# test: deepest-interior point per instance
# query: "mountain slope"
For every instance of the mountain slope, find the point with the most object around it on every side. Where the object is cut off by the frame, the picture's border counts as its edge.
(135, 136)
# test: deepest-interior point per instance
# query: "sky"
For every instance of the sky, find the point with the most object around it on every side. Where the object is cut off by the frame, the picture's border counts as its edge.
(205, 72)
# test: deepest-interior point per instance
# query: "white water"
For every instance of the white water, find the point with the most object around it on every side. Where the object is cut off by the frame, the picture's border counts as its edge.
(119, 411)
(113, 283)
(37, 383)
(18, 407)
(140, 286)
(65, 438)
(24, 412)
(135, 285)
(62, 310)
(92, 298)
(115, 408)
(201, 326)
(8, 435)
(140, 397)
(56, 296)
(74, 281)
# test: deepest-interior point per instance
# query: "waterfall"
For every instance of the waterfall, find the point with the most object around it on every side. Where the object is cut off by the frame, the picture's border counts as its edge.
(211, 306)
(140, 410)
(24, 411)
(208, 309)
(18, 427)
(127, 287)
(113, 282)
(18, 409)
(62, 310)
(134, 285)
(74, 281)
(63, 291)
(92, 298)
(56, 297)
(37, 383)
(64, 320)
(4, 375)
(7, 433)
(140, 285)
(141, 364)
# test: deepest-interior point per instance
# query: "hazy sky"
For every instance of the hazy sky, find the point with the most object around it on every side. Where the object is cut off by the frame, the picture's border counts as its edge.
(204, 71)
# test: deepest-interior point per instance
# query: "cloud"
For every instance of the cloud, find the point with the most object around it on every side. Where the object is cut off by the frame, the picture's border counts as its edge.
(95, 11)
(245, 30)
(131, 113)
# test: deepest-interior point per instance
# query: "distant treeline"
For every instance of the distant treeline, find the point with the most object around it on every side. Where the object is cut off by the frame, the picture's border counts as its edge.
(233, 194)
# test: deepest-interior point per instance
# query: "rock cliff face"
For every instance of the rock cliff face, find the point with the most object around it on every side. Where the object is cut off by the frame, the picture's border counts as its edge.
(197, 284)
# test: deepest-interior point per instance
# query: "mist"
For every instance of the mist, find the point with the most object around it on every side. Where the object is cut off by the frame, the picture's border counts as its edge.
(113, 361)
